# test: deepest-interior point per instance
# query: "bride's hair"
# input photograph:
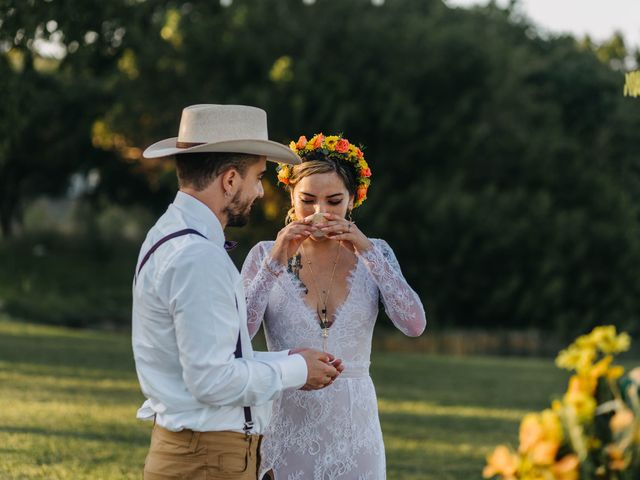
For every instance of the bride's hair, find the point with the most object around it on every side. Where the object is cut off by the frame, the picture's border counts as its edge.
(321, 165)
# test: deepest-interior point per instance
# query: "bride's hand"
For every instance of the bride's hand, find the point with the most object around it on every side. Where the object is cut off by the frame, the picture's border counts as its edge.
(339, 228)
(289, 239)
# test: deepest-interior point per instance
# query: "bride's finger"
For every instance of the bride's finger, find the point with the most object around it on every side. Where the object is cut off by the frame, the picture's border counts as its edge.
(345, 237)
(335, 228)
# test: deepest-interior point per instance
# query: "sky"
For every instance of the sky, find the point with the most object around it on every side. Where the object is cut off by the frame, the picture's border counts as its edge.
(598, 18)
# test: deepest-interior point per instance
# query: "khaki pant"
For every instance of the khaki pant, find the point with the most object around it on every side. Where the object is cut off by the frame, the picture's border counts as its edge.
(189, 455)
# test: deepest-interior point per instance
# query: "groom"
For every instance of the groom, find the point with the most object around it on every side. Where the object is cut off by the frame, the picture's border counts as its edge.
(207, 391)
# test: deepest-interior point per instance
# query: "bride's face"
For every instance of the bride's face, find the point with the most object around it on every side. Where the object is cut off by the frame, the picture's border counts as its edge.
(323, 193)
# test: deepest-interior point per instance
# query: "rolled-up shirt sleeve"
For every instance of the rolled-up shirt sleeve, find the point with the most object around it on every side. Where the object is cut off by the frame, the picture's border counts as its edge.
(202, 302)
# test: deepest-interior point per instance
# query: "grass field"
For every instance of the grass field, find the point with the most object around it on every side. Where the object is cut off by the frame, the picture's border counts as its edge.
(68, 400)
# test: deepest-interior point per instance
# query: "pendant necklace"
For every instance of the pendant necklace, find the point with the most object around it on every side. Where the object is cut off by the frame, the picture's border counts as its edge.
(322, 312)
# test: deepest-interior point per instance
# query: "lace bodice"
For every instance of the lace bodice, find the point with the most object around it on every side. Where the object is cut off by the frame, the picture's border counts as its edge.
(291, 323)
(332, 433)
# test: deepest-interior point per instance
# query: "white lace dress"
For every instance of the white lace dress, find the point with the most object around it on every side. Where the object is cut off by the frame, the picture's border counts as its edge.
(332, 433)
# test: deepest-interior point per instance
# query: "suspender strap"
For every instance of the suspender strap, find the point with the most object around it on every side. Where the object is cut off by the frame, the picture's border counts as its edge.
(248, 421)
(179, 233)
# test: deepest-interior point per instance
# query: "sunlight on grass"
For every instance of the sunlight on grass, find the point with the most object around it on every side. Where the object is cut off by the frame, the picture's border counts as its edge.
(68, 400)
(394, 444)
(431, 409)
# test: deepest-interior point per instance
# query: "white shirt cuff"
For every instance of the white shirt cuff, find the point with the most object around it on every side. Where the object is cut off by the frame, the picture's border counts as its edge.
(293, 369)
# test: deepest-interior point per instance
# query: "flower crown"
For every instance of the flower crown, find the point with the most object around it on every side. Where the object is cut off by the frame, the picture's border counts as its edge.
(336, 147)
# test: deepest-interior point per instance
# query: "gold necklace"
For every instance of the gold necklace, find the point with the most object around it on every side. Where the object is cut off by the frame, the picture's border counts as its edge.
(322, 314)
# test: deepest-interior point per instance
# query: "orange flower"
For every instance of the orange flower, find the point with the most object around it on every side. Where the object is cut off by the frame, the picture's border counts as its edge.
(359, 153)
(302, 142)
(365, 172)
(616, 457)
(622, 419)
(531, 432)
(544, 453)
(318, 141)
(501, 462)
(361, 192)
(342, 146)
(567, 468)
(283, 174)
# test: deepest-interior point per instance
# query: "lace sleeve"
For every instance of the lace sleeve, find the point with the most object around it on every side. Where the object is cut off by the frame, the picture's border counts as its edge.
(259, 274)
(401, 303)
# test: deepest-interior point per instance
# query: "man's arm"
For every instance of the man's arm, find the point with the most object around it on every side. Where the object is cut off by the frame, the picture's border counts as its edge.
(201, 300)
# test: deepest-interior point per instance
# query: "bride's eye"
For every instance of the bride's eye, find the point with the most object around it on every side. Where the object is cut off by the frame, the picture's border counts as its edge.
(306, 201)
(335, 203)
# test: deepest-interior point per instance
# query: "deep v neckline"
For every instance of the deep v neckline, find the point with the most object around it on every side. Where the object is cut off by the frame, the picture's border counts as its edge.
(313, 313)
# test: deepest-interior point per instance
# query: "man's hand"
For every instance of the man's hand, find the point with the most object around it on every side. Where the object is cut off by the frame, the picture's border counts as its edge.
(322, 368)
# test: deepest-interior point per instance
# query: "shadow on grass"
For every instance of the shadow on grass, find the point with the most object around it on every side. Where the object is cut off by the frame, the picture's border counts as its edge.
(68, 351)
(132, 437)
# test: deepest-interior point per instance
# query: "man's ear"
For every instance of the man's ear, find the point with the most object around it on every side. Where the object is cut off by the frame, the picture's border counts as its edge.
(230, 181)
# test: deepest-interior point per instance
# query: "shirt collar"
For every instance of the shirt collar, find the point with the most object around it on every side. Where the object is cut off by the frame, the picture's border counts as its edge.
(202, 214)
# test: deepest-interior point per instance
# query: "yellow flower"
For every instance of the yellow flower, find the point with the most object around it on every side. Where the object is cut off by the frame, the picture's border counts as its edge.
(600, 368)
(583, 404)
(621, 343)
(331, 141)
(292, 146)
(615, 372)
(501, 462)
(283, 173)
(552, 426)
(582, 384)
(607, 341)
(586, 341)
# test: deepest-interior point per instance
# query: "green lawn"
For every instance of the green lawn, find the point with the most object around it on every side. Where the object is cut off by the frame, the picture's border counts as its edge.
(68, 400)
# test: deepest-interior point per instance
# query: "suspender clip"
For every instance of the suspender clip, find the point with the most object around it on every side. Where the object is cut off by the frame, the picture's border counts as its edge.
(248, 426)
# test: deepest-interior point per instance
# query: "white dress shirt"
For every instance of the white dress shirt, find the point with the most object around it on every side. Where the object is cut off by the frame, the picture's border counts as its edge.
(185, 329)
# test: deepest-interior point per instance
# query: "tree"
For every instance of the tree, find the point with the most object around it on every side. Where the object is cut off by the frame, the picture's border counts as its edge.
(505, 164)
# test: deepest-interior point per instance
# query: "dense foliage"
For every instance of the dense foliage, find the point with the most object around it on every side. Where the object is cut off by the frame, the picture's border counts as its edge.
(505, 164)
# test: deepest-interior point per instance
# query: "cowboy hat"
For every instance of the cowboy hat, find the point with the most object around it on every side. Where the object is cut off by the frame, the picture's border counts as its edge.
(223, 128)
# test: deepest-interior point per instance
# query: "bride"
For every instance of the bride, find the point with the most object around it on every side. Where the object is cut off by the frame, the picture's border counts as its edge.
(318, 285)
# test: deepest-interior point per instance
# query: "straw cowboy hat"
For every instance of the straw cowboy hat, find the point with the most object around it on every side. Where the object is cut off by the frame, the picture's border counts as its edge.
(223, 128)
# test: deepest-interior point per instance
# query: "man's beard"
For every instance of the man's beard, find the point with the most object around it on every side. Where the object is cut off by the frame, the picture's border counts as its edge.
(237, 211)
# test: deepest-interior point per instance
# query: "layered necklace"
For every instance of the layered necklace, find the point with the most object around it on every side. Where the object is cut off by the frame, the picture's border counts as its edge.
(323, 298)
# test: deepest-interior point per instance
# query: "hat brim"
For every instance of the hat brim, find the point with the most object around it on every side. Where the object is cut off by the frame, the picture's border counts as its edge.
(274, 151)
